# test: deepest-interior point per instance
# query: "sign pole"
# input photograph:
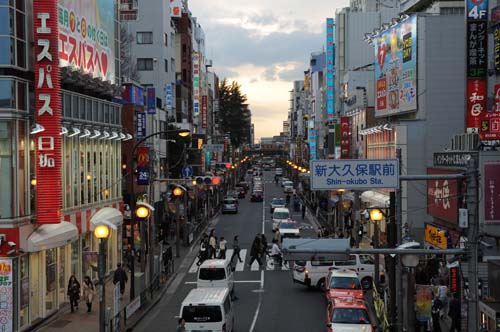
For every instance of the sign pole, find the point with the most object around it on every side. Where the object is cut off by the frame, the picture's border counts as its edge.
(399, 230)
(472, 207)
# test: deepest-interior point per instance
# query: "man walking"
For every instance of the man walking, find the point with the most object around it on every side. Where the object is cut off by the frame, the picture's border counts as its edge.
(255, 251)
(222, 248)
(120, 276)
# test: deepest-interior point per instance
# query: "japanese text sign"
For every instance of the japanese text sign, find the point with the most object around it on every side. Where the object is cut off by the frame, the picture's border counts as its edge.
(490, 121)
(196, 83)
(477, 48)
(345, 137)
(6, 299)
(330, 68)
(476, 102)
(151, 92)
(436, 236)
(204, 111)
(48, 112)
(491, 189)
(140, 125)
(354, 174)
(443, 196)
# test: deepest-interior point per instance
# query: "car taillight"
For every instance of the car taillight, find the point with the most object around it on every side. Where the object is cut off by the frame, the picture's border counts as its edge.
(224, 327)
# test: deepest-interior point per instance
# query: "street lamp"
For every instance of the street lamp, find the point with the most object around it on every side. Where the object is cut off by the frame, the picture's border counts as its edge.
(180, 133)
(102, 232)
(376, 215)
(177, 192)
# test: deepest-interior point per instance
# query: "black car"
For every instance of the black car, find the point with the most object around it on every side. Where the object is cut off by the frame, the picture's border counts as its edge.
(241, 192)
(257, 196)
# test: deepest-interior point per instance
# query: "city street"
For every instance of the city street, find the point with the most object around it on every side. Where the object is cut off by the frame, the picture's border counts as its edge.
(268, 300)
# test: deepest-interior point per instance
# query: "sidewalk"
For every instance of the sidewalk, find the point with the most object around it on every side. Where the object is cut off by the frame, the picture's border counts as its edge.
(81, 321)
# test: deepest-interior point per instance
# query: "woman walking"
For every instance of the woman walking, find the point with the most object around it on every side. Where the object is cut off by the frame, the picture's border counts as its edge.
(73, 292)
(255, 251)
(236, 249)
(222, 248)
(263, 242)
(88, 292)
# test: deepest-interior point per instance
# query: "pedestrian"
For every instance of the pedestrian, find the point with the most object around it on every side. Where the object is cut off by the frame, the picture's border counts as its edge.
(325, 232)
(212, 244)
(442, 294)
(73, 292)
(455, 313)
(303, 210)
(181, 326)
(435, 310)
(120, 276)
(276, 253)
(203, 254)
(236, 249)
(255, 251)
(263, 242)
(222, 248)
(277, 235)
(88, 292)
(360, 233)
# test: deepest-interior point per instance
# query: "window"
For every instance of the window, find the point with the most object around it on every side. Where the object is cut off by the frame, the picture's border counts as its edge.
(366, 259)
(166, 66)
(202, 313)
(165, 39)
(172, 64)
(145, 37)
(145, 64)
(350, 261)
(172, 38)
(7, 93)
(452, 11)
(212, 274)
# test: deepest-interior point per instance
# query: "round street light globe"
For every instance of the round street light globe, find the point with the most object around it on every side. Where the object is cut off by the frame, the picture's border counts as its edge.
(177, 192)
(184, 133)
(101, 232)
(142, 212)
(376, 215)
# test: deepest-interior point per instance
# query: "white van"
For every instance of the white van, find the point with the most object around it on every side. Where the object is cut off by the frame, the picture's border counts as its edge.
(279, 215)
(314, 273)
(216, 273)
(208, 309)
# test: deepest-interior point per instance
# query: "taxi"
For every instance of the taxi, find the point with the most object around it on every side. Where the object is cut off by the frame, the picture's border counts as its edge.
(347, 314)
(343, 283)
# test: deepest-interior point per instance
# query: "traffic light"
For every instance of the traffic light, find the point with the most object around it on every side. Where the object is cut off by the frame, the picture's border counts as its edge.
(177, 191)
(208, 180)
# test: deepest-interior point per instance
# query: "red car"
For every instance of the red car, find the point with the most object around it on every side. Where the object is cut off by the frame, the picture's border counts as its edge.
(343, 283)
(347, 314)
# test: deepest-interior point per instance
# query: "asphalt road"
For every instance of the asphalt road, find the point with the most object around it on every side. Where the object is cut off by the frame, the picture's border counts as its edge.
(268, 300)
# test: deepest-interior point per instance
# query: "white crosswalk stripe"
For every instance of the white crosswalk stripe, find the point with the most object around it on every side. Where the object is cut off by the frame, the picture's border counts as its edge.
(241, 265)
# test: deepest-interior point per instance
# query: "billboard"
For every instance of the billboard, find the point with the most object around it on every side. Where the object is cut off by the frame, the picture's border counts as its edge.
(476, 102)
(140, 125)
(490, 121)
(491, 174)
(345, 137)
(196, 84)
(47, 113)
(151, 99)
(204, 111)
(330, 68)
(7, 298)
(312, 144)
(87, 37)
(396, 68)
(443, 196)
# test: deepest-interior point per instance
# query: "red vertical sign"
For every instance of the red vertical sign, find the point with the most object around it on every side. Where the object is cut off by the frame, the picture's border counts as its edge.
(204, 111)
(476, 102)
(345, 137)
(47, 112)
(490, 122)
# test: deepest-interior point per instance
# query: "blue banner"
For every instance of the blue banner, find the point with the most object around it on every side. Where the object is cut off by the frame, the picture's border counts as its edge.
(330, 69)
(151, 100)
(140, 125)
(142, 176)
(168, 94)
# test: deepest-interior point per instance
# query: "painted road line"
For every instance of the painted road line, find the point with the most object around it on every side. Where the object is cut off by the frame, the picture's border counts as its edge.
(255, 266)
(236, 282)
(241, 265)
(194, 267)
(256, 315)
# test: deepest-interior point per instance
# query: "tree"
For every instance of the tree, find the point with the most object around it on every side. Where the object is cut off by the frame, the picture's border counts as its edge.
(127, 64)
(234, 114)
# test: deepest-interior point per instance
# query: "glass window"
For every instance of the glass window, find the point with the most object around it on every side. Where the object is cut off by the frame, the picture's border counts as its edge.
(21, 96)
(67, 105)
(165, 39)
(7, 21)
(88, 110)
(22, 173)
(366, 259)
(345, 283)
(145, 64)
(7, 93)
(145, 37)
(166, 66)
(82, 108)
(202, 314)
(100, 112)
(7, 45)
(74, 113)
(94, 111)
(106, 113)
(212, 274)
(20, 26)
(6, 167)
(172, 64)
(349, 262)
(350, 316)
(20, 5)
(50, 275)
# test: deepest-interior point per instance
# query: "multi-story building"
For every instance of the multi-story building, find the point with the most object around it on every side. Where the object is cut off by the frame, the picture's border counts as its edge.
(60, 146)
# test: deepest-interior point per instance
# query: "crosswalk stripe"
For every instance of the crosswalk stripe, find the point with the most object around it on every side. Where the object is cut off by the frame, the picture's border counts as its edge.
(241, 265)
(194, 267)
(255, 266)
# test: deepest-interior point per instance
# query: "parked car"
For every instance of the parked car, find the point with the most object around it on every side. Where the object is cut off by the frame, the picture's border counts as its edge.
(229, 205)
(257, 196)
(277, 203)
(347, 314)
(343, 283)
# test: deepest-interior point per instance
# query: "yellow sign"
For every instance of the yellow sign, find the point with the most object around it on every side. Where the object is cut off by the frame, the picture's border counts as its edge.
(436, 236)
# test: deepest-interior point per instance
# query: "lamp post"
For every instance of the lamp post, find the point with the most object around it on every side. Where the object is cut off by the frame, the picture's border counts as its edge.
(376, 215)
(102, 232)
(340, 215)
(177, 192)
(181, 133)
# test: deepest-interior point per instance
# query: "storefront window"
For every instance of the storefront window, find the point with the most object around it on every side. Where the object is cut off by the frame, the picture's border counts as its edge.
(62, 274)
(22, 174)
(7, 90)
(7, 45)
(6, 202)
(50, 280)
(75, 259)
(24, 299)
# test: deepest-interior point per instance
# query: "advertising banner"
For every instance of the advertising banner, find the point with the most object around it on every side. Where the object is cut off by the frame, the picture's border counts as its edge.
(140, 125)
(175, 8)
(477, 48)
(151, 92)
(476, 102)
(354, 174)
(196, 84)
(396, 68)
(491, 189)
(490, 122)
(204, 111)
(214, 147)
(47, 113)
(168, 99)
(7, 295)
(330, 68)
(133, 95)
(454, 279)
(443, 196)
(496, 47)
(312, 144)
(423, 303)
(437, 237)
(345, 139)
(143, 166)
(87, 37)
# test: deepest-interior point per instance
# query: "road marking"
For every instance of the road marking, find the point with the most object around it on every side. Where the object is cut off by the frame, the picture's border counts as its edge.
(194, 267)
(236, 282)
(255, 266)
(175, 284)
(252, 327)
(241, 265)
(264, 215)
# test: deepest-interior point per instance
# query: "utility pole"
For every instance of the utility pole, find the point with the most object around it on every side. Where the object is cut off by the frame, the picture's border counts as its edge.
(330, 155)
(391, 261)
(399, 230)
(472, 244)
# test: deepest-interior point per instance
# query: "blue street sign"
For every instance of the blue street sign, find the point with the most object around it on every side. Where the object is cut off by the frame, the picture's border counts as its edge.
(187, 171)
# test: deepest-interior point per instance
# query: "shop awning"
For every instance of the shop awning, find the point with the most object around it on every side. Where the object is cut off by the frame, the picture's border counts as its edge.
(52, 236)
(375, 198)
(106, 215)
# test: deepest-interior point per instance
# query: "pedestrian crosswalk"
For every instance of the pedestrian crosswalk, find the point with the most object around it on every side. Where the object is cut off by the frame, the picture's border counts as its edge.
(243, 265)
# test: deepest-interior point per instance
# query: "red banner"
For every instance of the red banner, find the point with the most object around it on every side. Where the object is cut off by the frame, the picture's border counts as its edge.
(490, 122)
(204, 111)
(345, 137)
(47, 112)
(476, 102)
(443, 196)
(142, 156)
(381, 94)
